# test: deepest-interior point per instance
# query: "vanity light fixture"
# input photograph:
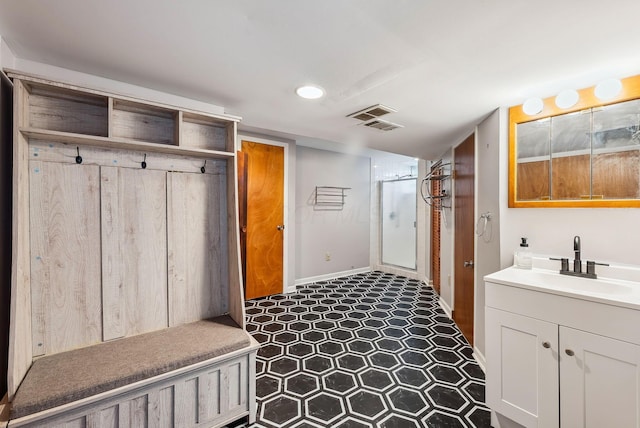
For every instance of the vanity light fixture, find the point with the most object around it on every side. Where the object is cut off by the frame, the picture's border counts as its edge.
(310, 92)
(608, 89)
(532, 106)
(567, 98)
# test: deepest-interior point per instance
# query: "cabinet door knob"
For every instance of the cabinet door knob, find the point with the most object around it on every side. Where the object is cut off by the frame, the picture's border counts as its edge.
(546, 345)
(569, 352)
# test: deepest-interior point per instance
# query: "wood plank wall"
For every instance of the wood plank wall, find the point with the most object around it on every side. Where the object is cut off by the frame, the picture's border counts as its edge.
(120, 250)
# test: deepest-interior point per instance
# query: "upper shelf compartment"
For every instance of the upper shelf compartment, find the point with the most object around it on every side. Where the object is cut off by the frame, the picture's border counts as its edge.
(209, 133)
(142, 122)
(69, 114)
(64, 110)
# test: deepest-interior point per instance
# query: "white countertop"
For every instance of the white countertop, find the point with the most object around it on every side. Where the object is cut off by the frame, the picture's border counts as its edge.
(612, 291)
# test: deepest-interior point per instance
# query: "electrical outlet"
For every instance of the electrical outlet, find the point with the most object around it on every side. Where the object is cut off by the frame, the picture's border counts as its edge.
(327, 257)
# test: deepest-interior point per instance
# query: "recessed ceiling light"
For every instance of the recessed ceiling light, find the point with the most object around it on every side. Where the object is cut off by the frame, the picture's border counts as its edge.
(310, 92)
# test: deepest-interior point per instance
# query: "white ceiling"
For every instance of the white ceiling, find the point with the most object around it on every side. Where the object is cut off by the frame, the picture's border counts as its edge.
(443, 64)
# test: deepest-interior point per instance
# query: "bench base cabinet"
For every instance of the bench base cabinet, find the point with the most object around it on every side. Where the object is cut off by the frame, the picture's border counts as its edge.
(544, 370)
(210, 395)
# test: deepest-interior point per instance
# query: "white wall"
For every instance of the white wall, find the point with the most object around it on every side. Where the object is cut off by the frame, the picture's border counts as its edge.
(8, 60)
(343, 234)
(489, 142)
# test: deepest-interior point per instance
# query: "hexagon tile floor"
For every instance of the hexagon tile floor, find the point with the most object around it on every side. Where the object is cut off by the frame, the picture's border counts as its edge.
(369, 350)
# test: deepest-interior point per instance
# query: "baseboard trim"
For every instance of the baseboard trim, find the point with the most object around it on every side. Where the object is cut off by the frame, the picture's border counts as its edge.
(480, 359)
(328, 276)
(446, 308)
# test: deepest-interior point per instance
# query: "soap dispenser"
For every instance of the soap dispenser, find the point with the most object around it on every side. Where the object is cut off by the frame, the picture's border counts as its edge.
(523, 257)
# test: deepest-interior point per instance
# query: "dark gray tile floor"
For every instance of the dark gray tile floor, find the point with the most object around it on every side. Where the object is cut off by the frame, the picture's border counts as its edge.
(369, 350)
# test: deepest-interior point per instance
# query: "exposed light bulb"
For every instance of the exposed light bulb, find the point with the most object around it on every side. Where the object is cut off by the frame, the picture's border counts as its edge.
(532, 106)
(608, 89)
(567, 98)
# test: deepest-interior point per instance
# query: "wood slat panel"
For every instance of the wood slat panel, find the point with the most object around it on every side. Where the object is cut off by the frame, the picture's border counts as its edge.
(135, 250)
(113, 278)
(120, 143)
(209, 395)
(186, 403)
(198, 257)
(65, 251)
(48, 151)
(20, 339)
(236, 287)
(109, 417)
(165, 408)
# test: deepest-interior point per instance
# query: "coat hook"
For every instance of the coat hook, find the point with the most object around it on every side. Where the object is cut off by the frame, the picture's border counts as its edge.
(78, 158)
(202, 169)
(144, 162)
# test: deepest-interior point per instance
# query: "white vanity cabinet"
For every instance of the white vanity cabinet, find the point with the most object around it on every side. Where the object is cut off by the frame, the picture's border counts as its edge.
(558, 358)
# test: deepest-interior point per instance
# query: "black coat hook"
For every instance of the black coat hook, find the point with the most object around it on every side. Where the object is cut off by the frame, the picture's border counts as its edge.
(144, 162)
(202, 169)
(78, 158)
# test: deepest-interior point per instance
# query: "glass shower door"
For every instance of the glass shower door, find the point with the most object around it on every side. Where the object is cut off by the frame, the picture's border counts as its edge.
(398, 222)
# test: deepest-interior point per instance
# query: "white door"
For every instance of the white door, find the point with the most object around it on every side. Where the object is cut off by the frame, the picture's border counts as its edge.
(599, 381)
(522, 368)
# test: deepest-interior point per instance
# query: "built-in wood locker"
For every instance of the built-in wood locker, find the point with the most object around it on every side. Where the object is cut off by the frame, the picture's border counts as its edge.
(125, 225)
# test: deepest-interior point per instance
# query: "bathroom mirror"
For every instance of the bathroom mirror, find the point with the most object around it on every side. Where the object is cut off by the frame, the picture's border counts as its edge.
(584, 156)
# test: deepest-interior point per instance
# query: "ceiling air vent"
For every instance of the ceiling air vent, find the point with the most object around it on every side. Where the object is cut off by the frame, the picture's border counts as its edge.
(382, 125)
(371, 112)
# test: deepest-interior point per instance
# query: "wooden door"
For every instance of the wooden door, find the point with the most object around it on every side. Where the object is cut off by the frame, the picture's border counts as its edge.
(598, 381)
(265, 219)
(522, 368)
(464, 171)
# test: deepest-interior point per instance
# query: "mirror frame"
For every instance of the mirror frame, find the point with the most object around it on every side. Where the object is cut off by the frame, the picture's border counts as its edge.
(587, 99)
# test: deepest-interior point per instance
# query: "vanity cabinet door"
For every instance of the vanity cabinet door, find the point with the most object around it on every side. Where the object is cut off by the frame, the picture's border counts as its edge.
(522, 368)
(599, 381)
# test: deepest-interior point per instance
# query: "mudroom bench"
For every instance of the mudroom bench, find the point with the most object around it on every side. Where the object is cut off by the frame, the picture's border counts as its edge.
(195, 374)
(127, 304)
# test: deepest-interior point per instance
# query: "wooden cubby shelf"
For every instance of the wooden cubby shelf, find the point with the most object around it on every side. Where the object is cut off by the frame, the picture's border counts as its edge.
(125, 228)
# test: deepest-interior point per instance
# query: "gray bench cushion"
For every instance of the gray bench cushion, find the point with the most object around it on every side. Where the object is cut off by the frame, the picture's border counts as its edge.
(62, 378)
